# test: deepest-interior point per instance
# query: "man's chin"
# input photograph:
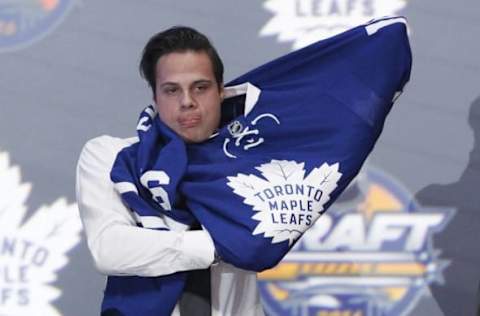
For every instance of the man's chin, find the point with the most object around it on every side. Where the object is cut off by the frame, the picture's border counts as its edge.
(195, 138)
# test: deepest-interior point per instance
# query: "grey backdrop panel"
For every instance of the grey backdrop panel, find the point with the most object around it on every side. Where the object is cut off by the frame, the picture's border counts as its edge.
(82, 81)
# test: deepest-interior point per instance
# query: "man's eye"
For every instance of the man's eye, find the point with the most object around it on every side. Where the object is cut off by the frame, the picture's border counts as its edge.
(201, 88)
(171, 90)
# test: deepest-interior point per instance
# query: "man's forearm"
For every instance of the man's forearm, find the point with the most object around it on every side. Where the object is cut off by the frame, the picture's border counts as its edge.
(117, 245)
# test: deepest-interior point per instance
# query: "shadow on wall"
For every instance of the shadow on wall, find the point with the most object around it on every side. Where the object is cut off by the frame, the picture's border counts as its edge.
(460, 241)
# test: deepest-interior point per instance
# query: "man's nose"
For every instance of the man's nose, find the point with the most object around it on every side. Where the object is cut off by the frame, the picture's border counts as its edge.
(187, 101)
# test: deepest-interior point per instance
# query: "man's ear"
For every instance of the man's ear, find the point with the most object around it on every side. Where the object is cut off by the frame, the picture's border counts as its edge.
(222, 92)
(154, 99)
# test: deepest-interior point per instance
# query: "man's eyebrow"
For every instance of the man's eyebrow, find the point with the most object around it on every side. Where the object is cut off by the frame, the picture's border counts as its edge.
(200, 81)
(168, 83)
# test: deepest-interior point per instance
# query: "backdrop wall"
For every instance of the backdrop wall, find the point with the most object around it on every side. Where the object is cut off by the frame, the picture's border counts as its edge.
(68, 73)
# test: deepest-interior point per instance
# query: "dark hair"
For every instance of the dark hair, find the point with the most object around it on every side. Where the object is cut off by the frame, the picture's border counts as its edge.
(177, 39)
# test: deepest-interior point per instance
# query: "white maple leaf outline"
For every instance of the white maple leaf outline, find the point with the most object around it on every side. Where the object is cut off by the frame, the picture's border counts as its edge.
(278, 172)
(55, 228)
(285, 170)
(288, 230)
(304, 30)
(325, 178)
(248, 186)
(279, 165)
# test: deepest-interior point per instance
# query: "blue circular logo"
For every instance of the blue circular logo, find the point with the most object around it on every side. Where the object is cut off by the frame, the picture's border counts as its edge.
(24, 22)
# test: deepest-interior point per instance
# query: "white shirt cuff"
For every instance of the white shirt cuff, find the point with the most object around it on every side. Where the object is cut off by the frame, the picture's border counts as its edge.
(198, 248)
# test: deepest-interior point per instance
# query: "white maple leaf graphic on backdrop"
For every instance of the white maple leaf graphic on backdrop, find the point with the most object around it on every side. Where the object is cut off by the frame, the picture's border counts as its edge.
(279, 173)
(32, 250)
(295, 22)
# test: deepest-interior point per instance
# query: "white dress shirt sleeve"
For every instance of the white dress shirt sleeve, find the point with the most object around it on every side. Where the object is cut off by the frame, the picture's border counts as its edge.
(117, 245)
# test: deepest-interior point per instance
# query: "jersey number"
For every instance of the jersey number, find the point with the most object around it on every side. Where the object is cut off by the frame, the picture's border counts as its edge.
(153, 180)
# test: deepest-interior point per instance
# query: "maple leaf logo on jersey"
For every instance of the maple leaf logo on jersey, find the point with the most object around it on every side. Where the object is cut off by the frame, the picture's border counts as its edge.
(306, 21)
(32, 250)
(286, 202)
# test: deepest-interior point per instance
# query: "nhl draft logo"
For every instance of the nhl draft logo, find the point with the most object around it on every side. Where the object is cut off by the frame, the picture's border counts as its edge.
(306, 21)
(371, 254)
(24, 22)
(286, 201)
(32, 251)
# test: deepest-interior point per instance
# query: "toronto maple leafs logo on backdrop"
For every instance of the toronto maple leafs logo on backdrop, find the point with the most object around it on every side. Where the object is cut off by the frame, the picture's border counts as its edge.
(285, 201)
(306, 21)
(32, 251)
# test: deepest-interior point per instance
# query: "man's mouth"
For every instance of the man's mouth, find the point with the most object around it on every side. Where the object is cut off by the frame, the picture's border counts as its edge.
(189, 121)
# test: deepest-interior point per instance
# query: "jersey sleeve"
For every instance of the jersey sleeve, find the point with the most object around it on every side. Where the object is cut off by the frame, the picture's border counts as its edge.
(117, 245)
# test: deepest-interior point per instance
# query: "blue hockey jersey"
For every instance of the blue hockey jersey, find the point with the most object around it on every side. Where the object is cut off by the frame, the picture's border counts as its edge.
(270, 172)
(294, 133)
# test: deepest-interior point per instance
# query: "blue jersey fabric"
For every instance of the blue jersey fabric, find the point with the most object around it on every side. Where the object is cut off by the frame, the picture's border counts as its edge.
(148, 296)
(273, 169)
(330, 100)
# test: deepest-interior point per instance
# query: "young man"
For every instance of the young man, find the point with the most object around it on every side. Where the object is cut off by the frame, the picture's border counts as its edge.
(185, 74)
(307, 120)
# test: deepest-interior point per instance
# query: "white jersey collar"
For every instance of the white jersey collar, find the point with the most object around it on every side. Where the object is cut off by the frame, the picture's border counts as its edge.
(252, 94)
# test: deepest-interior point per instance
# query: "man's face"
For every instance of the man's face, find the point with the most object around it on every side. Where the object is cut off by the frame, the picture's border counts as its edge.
(187, 95)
